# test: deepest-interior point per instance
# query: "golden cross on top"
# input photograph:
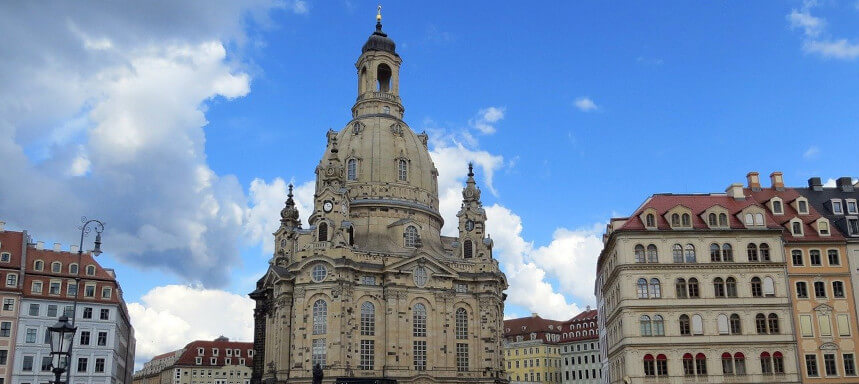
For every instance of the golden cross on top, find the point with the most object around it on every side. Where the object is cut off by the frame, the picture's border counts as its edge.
(379, 14)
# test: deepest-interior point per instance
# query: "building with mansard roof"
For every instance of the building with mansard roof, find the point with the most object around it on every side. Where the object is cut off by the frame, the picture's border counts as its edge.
(218, 361)
(370, 289)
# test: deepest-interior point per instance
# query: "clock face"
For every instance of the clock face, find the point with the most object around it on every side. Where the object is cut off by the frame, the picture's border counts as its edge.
(469, 225)
(327, 206)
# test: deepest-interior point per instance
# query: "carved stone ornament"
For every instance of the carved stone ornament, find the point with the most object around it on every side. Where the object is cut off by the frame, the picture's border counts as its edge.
(299, 292)
(397, 129)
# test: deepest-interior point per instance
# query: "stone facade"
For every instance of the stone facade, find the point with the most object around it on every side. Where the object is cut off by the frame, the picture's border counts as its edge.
(370, 289)
(682, 298)
(220, 361)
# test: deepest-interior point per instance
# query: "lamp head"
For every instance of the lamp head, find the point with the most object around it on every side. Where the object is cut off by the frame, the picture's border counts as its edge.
(97, 250)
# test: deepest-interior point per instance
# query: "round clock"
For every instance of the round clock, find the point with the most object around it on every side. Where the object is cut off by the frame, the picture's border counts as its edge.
(327, 206)
(469, 225)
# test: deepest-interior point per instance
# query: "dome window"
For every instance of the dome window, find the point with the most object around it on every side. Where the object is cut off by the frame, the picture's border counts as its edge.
(383, 74)
(402, 170)
(467, 251)
(322, 232)
(352, 169)
(411, 236)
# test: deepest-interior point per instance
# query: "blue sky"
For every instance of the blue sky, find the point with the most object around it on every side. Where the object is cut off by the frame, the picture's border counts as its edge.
(179, 124)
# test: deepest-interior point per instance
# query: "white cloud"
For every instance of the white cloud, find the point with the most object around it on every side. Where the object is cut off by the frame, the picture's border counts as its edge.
(832, 183)
(169, 317)
(266, 202)
(814, 40)
(585, 104)
(112, 103)
(486, 119)
(811, 152)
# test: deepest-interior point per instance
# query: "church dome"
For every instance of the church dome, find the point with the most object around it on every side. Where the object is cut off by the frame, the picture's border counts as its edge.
(379, 41)
(385, 160)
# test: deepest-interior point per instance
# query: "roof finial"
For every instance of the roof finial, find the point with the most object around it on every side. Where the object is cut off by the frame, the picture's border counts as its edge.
(290, 191)
(379, 19)
(470, 169)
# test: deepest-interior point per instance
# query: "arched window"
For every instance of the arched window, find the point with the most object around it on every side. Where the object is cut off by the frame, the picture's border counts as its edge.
(723, 220)
(750, 220)
(727, 252)
(740, 363)
(687, 220)
(639, 254)
(688, 364)
(736, 327)
(661, 365)
(711, 219)
(778, 363)
(368, 319)
(73, 269)
(769, 286)
(765, 252)
(642, 288)
(56, 267)
(680, 288)
(760, 324)
(649, 365)
(351, 232)
(766, 363)
(697, 325)
(461, 324)
(644, 323)
(322, 232)
(759, 219)
(652, 254)
(410, 236)
(690, 254)
(752, 251)
(419, 320)
(772, 322)
(727, 363)
(757, 289)
(650, 220)
(731, 287)
(658, 326)
(352, 169)
(320, 317)
(467, 249)
(715, 252)
(722, 324)
(700, 364)
(655, 289)
(677, 253)
(719, 287)
(39, 265)
(693, 288)
(675, 220)
(402, 170)
(90, 270)
(383, 74)
(685, 325)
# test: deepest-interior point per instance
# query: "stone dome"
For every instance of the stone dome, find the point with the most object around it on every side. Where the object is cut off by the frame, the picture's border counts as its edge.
(376, 145)
(379, 41)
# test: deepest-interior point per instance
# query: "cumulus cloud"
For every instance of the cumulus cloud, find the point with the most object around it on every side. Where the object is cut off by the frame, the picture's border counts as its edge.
(102, 112)
(815, 40)
(585, 104)
(486, 119)
(169, 317)
(266, 201)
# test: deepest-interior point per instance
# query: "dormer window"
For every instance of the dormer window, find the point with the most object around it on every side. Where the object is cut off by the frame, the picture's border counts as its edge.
(759, 219)
(823, 228)
(750, 220)
(796, 227)
(802, 206)
(687, 220)
(650, 220)
(402, 170)
(777, 206)
(723, 220)
(851, 207)
(675, 220)
(836, 207)
(712, 220)
(39, 265)
(410, 236)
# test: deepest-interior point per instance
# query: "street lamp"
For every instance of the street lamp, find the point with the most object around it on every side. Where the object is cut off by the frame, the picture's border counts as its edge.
(62, 337)
(86, 228)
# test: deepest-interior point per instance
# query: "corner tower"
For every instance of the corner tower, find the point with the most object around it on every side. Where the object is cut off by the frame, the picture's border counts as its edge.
(378, 76)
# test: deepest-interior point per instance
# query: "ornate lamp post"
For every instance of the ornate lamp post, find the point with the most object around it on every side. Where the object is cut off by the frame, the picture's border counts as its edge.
(62, 337)
(86, 228)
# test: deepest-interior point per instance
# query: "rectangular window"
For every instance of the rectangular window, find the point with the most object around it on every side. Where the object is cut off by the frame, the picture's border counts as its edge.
(11, 280)
(419, 351)
(796, 255)
(104, 314)
(85, 338)
(811, 366)
(71, 288)
(37, 287)
(851, 206)
(814, 255)
(89, 291)
(106, 293)
(833, 257)
(31, 336)
(368, 280)
(27, 364)
(805, 325)
(88, 313)
(829, 364)
(8, 304)
(843, 323)
(837, 289)
(853, 226)
(367, 354)
(825, 325)
(849, 365)
(836, 207)
(461, 357)
(52, 310)
(819, 289)
(99, 365)
(319, 352)
(801, 289)
(4, 355)
(34, 310)
(67, 310)
(82, 361)
(102, 338)
(5, 329)
(54, 288)
(46, 363)
(5, 257)
(803, 206)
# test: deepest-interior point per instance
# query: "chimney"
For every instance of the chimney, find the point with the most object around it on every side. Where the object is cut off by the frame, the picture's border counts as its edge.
(754, 180)
(73, 248)
(40, 245)
(58, 247)
(845, 184)
(2, 226)
(533, 314)
(777, 181)
(736, 191)
(815, 184)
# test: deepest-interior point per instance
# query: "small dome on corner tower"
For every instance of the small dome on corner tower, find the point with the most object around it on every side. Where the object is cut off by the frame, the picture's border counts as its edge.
(379, 41)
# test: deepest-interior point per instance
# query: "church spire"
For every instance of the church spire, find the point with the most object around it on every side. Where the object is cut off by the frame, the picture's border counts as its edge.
(289, 214)
(471, 193)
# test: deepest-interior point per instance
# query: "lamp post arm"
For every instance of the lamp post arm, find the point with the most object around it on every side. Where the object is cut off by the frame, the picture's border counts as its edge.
(88, 226)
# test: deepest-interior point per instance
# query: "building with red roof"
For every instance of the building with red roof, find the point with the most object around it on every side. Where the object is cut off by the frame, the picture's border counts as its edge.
(218, 361)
